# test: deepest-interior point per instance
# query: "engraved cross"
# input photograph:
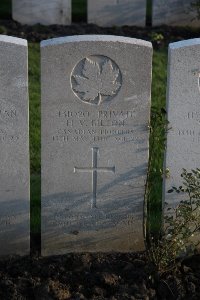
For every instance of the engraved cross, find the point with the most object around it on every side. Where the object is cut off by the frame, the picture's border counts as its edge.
(94, 170)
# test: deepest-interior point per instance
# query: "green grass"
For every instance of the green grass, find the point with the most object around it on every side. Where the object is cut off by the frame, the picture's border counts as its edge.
(34, 95)
(149, 13)
(5, 9)
(35, 124)
(35, 203)
(159, 83)
(79, 10)
(159, 78)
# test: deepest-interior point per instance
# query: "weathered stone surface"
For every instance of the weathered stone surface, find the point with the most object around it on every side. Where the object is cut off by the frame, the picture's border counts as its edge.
(14, 154)
(95, 114)
(41, 11)
(183, 139)
(120, 12)
(174, 12)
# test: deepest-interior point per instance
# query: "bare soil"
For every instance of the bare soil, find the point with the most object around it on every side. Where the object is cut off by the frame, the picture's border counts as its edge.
(39, 32)
(96, 276)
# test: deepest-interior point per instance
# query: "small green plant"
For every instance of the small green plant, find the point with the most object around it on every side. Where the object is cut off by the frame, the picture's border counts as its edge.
(3, 30)
(180, 236)
(156, 37)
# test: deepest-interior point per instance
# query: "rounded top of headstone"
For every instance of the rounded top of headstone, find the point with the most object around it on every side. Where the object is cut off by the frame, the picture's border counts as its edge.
(95, 38)
(13, 40)
(185, 43)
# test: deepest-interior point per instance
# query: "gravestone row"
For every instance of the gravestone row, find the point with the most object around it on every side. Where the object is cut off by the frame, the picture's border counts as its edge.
(104, 13)
(41, 11)
(107, 13)
(117, 12)
(95, 115)
(174, 13)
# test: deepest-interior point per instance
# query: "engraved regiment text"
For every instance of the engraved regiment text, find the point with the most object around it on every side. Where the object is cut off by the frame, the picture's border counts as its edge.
(102, 126)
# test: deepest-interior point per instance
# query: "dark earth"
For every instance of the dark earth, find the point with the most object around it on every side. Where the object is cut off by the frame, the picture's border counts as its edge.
(96, 276)
(38, 32)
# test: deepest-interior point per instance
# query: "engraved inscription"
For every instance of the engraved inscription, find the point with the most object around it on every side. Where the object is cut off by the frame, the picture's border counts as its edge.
(8, 138)
(94, 170)
(189, 132)
(117, 126)
(193, 116)
(8, 113)
(191, 129)
(7, 221)
(96, 79)
(97, 220)
(8, 118)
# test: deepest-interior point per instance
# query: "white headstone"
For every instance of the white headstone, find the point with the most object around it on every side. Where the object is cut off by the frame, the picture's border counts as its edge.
(95, 114)
(117, 12)
(183, 108)
(14, 154)
(174, 12)
(45, 12)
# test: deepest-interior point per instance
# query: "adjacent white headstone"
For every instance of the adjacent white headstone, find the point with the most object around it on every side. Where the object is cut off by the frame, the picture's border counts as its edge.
(117, 12)
(14, 153)
(95, 114)
(174, 12)
(45, 12)
(183, 107)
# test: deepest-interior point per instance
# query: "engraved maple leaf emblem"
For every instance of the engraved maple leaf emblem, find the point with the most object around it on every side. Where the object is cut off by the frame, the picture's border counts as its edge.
(97, 81)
